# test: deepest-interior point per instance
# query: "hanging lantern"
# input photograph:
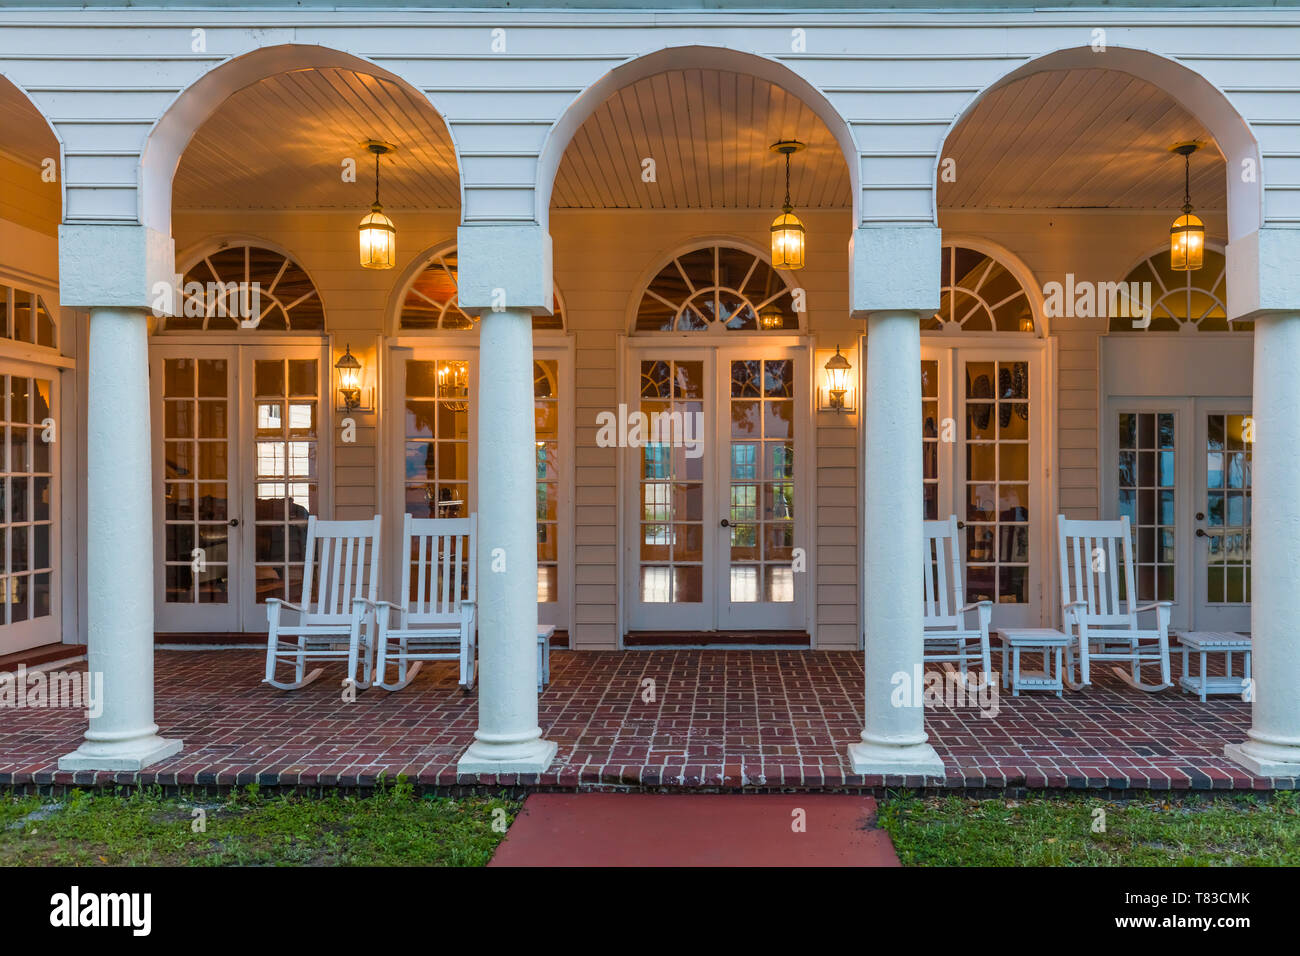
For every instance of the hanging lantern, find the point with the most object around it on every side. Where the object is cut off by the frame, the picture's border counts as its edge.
(1187, 234)
(378, 234)
(787, 231)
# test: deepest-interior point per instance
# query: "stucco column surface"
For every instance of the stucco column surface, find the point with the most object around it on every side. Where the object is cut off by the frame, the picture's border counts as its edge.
(508, 738)
(893, 739)
(1273, 749)
(119, 548)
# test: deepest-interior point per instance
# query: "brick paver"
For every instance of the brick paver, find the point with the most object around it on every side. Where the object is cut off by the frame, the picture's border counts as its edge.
(673, 719)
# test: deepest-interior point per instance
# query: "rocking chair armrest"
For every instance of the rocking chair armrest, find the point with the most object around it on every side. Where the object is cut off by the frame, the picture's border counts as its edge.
(1164, 611)
(283, 603)
(985, 609)
(1153, 606)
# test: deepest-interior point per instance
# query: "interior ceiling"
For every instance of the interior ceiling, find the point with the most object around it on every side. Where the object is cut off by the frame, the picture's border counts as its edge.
(280, 143)
(1063, 139)
(708, 132)
(1080, 139)
(25, 135)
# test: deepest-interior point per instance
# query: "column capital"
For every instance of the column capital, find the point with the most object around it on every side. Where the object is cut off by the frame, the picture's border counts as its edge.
(1262, 277)
(504, 266)
(118, 265)
(895, 269)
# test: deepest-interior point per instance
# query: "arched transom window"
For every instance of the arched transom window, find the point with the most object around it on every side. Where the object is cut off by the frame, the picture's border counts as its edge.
(430, 302)
(979, 295)
(249, 287)
(1193, 301)
(717, 289)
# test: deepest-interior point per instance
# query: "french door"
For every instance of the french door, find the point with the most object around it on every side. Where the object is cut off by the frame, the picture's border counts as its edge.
(240, 435)
(1224, 443)
(982, 421)
(435, 386)
(715, 442)
(29, 506)
(1180, 469)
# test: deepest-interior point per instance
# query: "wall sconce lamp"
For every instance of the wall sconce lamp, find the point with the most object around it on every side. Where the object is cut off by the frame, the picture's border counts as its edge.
(349, 369)
(837, 393)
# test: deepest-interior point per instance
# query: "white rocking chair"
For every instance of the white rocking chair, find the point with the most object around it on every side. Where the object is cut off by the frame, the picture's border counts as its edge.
(438, 614)
(345, 579)
(1099, 629)
(947, 634)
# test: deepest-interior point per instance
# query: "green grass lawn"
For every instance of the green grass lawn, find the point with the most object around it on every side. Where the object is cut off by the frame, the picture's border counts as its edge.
(1059, 831)
(391, 828)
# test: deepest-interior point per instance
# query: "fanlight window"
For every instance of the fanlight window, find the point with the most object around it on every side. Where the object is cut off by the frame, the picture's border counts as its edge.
(717, 288)
(979, 295)
(1184, 301)
(246, 286)
(24, 317)
(430, 301)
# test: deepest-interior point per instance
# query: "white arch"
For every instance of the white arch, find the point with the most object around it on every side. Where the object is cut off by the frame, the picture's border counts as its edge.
(683, 58)
(1232, 134)
(198, 101)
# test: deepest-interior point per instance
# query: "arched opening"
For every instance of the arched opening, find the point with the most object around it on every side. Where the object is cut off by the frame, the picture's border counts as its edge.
(661, 182)
(262, 171)
(1070, 162)
(39, 436)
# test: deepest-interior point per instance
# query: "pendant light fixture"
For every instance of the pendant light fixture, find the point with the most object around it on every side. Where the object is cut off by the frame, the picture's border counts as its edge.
(1187, 234)
(378, 234)
(787, 230)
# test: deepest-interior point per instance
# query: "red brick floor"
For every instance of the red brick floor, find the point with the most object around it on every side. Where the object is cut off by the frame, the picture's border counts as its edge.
(719, 719)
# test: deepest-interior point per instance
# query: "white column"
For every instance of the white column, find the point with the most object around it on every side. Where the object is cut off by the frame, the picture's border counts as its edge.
(1274, 746)
(119, 547)
(508, 739)
(894, 739)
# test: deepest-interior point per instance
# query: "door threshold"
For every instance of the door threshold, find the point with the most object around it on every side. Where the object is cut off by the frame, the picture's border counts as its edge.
(740, 640)
(43, 655)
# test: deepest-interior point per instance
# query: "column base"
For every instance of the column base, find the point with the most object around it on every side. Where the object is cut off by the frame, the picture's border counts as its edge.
(911, 761)
(487, 758)
(126, 755)
(1265, 760)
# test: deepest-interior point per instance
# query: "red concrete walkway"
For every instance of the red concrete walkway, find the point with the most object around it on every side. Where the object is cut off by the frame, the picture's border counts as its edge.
(649, 829)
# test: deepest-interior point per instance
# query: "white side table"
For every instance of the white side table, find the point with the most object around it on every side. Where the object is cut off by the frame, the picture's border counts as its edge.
(1206, 643)
(1051, 644)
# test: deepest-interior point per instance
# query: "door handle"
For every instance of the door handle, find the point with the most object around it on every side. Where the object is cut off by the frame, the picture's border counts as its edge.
(234, 522)
(1200, 532)
(724, 523)
(960, 525)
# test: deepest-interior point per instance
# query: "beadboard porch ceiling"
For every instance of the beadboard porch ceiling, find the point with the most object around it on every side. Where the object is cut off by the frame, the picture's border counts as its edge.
(1065, 139)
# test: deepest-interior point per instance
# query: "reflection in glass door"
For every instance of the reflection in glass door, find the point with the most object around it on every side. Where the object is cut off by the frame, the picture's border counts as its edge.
(672, 575)
(760, 488)
(198, 590)
(28, 510)
(982, 461)
(1221, 570)
(286, 483)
